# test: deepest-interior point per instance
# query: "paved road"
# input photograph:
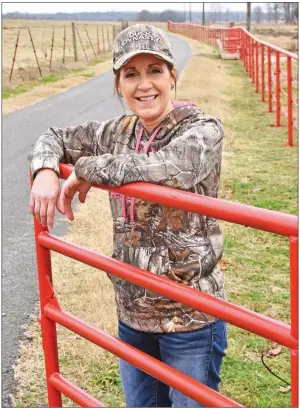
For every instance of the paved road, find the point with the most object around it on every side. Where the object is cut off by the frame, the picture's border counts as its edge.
(92, 100)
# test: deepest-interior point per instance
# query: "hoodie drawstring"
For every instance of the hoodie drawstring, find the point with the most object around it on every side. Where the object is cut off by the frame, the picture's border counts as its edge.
(132, 199)
(151, 139)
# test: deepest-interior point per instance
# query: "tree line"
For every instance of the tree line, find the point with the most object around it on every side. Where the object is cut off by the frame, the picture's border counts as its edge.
(287, 12)
(215, 13)
(274, 12)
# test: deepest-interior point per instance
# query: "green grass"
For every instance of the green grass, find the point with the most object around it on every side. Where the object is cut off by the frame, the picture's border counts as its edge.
(105, 376)
(88, 75)
(258, 170)
(20, 89)
(50, 78)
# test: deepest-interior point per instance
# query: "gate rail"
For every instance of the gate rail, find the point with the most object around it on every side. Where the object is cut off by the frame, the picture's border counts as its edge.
(269, 67)
(51, 312)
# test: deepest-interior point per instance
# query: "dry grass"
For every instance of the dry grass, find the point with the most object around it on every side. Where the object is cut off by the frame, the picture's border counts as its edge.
(282, 35)
(101, 35)
(41, 30)
(200, 90)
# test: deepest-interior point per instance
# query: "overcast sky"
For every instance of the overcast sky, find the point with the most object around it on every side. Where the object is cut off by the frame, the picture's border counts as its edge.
(41, 7)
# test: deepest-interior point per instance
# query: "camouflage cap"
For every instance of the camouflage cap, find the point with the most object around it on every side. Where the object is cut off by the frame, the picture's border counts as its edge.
(140, 38)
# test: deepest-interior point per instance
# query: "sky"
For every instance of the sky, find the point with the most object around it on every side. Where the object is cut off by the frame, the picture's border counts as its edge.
(43, 7)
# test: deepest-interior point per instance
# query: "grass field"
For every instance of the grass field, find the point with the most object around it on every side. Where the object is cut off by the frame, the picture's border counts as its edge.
(282, 35)
(100, 35)
(259, 170)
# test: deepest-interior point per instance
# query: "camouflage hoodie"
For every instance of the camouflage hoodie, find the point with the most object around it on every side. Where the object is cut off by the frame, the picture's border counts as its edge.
(183, 152)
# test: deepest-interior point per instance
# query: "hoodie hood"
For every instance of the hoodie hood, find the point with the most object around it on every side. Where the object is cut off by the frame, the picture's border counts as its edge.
(181, 112)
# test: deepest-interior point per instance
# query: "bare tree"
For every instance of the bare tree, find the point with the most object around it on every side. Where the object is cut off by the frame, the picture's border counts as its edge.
(227, 15)
(287, 12)
(269, 8)
(276, 7)
(295, 12)
(219, 8)
(213, 7)
(258, 14)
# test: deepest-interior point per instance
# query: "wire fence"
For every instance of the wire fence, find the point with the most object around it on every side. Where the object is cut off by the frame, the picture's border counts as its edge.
(33, 51)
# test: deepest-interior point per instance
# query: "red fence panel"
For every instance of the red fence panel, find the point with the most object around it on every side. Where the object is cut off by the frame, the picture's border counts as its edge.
(51, 312)
(251, 50)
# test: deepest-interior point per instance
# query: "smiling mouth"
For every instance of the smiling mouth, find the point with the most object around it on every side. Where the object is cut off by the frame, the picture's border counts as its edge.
(150, 98)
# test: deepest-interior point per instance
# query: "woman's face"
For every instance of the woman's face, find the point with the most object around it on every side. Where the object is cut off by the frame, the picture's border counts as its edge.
(145, 83)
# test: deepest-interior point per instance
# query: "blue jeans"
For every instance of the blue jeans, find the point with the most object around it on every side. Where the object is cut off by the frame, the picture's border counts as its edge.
(197, 353)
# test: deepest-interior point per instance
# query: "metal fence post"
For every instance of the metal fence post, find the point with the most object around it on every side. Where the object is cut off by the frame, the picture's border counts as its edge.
(294, 316)
(257, 68)
(270, 80)
(253, 60)
(250, 57)
(290, 101)
(278, 108)
(48, 327)
(262, 73)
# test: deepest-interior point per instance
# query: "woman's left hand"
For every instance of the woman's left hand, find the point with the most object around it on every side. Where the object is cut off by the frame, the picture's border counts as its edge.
(71, 186)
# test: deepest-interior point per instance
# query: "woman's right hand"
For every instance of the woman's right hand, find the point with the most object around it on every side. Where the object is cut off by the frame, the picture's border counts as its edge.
(44, 195)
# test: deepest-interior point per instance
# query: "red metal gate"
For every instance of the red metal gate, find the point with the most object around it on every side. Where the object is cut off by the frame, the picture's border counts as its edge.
(51, 313)
(273, 70)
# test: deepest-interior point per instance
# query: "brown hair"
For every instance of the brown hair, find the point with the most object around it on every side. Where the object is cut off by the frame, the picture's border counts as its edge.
(118, 74)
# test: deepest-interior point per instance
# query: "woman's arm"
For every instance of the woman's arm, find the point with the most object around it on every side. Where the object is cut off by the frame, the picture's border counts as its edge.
(184, 162)
(67, 145)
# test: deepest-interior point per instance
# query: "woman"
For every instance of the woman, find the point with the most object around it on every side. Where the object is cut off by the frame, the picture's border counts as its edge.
(178, 147)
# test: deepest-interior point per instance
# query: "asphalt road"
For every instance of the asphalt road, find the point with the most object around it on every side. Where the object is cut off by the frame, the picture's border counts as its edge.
(92, 100)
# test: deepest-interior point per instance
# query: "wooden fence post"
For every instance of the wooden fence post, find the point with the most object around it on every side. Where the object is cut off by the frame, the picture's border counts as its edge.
(115, 32)
(52, 44)
(74, 42)
(37, 61)
(14, 57)
(103, 39)
(107, 36)
(82, 45)
(64, 52)
(98, 45)
(90, 41)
